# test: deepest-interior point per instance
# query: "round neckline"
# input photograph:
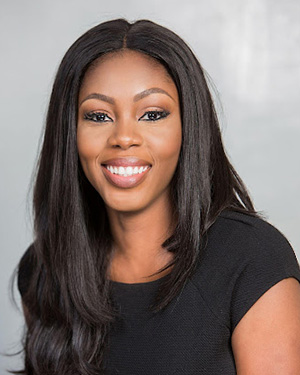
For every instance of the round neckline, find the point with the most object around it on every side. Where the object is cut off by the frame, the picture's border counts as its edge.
(141, 284)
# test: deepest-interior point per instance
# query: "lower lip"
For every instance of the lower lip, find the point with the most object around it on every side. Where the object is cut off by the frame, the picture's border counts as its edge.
(122, 181)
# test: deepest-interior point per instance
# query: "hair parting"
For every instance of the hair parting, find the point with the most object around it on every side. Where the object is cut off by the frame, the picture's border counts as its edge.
(68, 300)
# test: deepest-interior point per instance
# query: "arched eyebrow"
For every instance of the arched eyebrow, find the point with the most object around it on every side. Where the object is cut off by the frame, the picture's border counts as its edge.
(153, 90)
(137, 97)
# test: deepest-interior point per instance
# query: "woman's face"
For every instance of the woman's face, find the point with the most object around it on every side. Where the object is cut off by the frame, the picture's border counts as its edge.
(129, 130)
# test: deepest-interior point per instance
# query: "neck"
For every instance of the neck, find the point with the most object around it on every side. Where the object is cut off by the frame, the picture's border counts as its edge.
(137, 250)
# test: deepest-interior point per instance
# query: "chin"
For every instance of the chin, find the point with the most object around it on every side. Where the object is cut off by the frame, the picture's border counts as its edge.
(125, 208)
(125, 205)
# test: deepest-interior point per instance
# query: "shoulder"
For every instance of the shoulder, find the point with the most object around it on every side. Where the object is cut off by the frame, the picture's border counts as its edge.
(237, 226)
(245, 237)
(25, 269)
(244, 256)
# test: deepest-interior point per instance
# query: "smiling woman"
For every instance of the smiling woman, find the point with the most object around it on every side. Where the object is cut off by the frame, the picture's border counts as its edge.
(148, 256)
(129, 117)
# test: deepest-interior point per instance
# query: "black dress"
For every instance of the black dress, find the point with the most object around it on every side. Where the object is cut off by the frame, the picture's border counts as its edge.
(245, 256)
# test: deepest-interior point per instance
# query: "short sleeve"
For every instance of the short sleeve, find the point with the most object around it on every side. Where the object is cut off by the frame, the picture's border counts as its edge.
(272, 260)
(25, 270)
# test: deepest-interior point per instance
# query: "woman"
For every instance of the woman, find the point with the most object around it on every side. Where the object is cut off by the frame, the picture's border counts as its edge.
(148, 254)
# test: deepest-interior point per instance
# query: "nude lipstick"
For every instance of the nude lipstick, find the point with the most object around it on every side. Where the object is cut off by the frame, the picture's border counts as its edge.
(126, 172)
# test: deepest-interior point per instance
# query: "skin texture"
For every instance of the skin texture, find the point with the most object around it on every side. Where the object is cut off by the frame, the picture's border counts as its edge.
(267, 339)
(140, 217)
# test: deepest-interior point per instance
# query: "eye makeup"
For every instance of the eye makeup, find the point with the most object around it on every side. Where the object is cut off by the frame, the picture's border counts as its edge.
(97, 117)
(154, 115)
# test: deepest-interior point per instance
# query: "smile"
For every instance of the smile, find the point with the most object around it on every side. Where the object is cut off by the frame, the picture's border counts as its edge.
(125, 177)
(127, 171)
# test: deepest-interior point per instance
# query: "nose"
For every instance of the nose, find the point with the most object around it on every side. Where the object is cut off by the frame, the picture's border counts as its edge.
(125, 134)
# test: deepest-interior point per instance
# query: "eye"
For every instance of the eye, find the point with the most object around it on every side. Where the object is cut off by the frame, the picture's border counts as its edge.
(97, 117)
(154, 115)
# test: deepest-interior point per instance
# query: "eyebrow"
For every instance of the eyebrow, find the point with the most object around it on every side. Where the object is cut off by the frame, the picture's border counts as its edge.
(137, 97)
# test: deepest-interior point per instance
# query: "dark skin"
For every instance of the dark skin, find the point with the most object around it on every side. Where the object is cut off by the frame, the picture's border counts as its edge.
(267, 339)
(140, 217)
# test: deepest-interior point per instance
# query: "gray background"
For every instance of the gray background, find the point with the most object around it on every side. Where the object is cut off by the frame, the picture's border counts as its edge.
(250, 49)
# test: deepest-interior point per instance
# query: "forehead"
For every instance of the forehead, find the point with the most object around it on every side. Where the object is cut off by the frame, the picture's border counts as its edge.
(128, 62)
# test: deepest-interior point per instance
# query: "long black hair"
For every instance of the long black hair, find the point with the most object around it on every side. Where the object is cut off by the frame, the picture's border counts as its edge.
(68, 307)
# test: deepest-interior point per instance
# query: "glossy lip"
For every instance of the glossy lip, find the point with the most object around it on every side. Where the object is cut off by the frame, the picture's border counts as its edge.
(129, 161)
(125, 182)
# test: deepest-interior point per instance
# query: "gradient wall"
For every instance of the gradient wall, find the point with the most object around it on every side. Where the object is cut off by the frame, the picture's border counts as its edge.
(250, 48)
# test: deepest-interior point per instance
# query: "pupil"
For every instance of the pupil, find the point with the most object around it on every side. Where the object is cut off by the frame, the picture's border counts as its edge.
(152, 115)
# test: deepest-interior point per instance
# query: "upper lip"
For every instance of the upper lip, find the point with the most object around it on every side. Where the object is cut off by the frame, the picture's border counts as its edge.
(126, 161)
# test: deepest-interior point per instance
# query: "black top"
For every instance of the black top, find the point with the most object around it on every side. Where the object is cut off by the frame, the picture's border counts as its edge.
(245, 256)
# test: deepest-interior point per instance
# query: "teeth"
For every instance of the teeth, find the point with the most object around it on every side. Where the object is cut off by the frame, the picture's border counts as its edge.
(126, 171)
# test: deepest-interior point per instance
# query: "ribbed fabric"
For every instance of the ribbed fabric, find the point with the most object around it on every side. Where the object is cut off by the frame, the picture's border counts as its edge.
(244, 257)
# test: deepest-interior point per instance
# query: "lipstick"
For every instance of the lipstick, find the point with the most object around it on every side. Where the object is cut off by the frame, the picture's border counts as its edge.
(126, 162)
(126, 172)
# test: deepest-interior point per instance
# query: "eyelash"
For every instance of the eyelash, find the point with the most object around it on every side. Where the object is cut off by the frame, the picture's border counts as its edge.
(95, 116)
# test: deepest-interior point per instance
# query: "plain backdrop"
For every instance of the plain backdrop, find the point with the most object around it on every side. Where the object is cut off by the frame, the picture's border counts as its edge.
(250, 48)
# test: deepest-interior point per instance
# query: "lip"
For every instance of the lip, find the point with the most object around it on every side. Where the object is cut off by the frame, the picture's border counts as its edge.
(129, 161)
(122, 181)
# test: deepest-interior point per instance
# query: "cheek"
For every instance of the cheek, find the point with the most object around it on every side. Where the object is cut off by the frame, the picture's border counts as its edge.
(166, 147)
(89, 150)
(87, 145)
